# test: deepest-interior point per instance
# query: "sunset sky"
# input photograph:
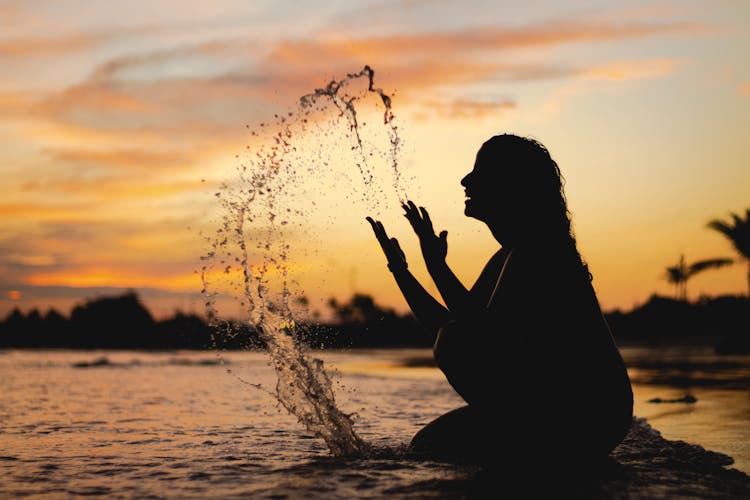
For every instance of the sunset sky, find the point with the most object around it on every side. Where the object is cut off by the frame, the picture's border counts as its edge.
(120, 120)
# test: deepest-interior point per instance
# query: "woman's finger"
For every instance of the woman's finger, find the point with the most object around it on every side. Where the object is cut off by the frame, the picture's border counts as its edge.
(412, 217)
(414, 220)
(413, 207)
(412, 213)
(379, 230)
(426, 218)
(374, 225)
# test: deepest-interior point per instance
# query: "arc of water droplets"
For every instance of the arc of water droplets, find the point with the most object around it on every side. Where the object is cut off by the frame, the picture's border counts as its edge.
(303, 387)
(349, 111)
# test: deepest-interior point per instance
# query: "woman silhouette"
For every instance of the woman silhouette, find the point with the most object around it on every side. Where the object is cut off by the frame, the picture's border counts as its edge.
(527, 347)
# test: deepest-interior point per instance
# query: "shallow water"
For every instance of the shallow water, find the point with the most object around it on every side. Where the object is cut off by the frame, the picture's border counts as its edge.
(178, 425)
(719, 419)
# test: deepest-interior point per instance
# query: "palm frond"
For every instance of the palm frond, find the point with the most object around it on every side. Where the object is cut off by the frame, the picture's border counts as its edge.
(737, 231)
(740, 221)
(720, 226)
(702, 265)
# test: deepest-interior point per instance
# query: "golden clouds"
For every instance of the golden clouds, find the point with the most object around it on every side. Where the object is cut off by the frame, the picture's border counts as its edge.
(416, 61)
(124, 159)
(92, 97)
(46, 46)
(116, 275)
(139, 90)
(100, 190)
(632, 69)
(461, 43)
(463, 109)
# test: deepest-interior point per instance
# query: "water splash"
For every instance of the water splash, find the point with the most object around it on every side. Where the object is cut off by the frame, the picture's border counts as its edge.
(349, 112)
(266, 214)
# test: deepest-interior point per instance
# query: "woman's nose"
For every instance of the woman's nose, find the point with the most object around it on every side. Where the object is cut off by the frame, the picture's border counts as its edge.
(465, 180)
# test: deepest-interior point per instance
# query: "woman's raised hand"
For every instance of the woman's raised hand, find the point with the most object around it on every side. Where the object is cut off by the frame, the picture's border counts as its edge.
(434, 247)
(390, 246)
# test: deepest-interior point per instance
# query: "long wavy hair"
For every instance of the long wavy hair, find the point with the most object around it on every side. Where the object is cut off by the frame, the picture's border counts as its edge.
(536, 186)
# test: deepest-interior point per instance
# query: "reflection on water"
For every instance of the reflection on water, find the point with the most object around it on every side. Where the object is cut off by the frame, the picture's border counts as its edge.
(718, 419)
(176, 424)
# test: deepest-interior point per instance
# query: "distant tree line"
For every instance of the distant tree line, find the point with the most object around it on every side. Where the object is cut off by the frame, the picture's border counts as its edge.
(721, 321)
(120, 322)
(123, 322)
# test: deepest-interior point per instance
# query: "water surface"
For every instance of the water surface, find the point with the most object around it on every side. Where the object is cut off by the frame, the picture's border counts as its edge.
(178, 425)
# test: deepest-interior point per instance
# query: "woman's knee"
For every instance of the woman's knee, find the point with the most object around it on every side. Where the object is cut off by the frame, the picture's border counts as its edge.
(447, 432)
(460, 364)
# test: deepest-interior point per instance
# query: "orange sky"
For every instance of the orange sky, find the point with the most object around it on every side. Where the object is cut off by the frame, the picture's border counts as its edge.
(119, 123)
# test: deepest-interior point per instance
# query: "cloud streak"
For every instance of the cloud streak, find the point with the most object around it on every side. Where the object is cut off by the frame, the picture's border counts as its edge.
(111, 108)
(50, 46)
(464, 108)
(632, 69)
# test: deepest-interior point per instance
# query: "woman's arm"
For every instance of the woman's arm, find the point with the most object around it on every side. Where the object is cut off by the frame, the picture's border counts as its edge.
(434, 250)
(454, 293)
(428, 311)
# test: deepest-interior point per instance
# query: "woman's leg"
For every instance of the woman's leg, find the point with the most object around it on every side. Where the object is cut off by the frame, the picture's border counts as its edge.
(463, 364)
(457, 434)
(464, 434)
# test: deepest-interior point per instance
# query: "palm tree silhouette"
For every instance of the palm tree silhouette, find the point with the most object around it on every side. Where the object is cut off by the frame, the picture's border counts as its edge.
(680, 274)
(736, 231)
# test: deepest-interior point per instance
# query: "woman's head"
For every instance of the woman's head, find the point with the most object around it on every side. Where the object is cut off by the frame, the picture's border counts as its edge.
(517, 189)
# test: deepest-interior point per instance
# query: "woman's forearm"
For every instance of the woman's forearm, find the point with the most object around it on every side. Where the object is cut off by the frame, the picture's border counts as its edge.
(430, 313)
(454, 293)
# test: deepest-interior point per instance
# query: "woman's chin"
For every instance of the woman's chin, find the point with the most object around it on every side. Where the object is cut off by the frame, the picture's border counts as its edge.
(470, 211)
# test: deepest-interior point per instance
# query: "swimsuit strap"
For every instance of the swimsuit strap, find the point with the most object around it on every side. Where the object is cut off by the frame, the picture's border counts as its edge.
(500, 276)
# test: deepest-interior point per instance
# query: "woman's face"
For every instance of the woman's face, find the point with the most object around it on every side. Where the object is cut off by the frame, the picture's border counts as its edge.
(490, 198)
(481, 186)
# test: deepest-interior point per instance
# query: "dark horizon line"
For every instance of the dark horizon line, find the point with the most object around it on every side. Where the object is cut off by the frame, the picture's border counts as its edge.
(110, 292)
